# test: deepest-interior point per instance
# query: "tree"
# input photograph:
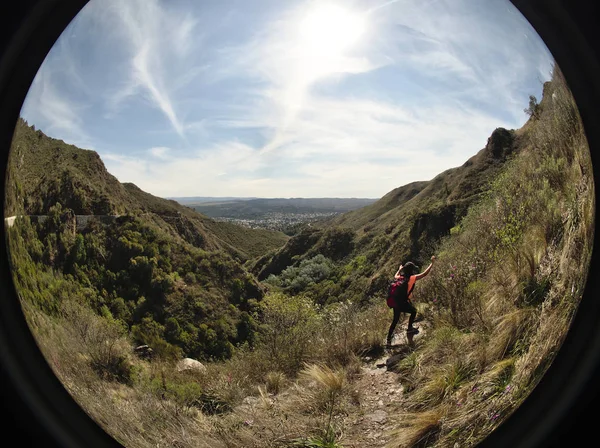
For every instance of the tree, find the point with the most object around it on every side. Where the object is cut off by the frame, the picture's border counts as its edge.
(534, 107)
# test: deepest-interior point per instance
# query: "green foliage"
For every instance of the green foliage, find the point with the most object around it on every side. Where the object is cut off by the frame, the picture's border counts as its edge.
(103, 340)
(533, 110)
(288, 329)
(297, 278)
(336, 243)
(150, 332)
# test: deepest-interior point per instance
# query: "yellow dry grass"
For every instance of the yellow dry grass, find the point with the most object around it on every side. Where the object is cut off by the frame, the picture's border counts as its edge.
(416, 430)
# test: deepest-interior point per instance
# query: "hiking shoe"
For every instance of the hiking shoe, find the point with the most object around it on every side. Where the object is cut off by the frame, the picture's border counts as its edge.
(412, 331)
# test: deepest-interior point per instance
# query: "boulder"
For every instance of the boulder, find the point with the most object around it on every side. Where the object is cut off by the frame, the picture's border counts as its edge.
(143, 351)
(187, 364)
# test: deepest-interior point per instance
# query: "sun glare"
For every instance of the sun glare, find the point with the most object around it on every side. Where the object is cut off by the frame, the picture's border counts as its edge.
(328, 31)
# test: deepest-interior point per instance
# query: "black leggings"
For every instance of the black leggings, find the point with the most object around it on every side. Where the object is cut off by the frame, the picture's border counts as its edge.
(406, 307)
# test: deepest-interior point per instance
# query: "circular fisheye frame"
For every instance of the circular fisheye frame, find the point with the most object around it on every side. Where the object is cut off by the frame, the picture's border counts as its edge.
(135, 316)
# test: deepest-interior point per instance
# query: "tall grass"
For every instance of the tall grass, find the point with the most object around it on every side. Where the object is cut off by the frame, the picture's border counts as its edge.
(507, 284)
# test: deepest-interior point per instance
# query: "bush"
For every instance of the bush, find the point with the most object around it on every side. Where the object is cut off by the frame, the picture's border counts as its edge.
(151, 333)
(310, 271)
(288, 330)
(102, 340)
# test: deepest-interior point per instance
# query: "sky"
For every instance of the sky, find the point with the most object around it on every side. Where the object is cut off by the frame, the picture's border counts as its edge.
(290, 98)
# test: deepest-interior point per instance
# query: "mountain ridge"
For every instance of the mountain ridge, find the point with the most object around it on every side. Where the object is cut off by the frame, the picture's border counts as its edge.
(404, 223)
(53, 171)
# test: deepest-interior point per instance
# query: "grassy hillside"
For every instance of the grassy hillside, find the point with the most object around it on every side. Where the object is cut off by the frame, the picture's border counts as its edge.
(44, 171)
(508, 282)
(512, 229)
(172, 277)
(241, 242)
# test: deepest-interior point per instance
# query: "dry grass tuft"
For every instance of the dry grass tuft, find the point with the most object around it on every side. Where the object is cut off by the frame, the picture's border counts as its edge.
(442, 345)
(275, 382)
(417, 430)
(441, 384)
(497, 378)
(510, 329)
(330, 380)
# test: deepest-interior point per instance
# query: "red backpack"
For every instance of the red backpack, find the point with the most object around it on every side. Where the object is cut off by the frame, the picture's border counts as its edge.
(398, 291)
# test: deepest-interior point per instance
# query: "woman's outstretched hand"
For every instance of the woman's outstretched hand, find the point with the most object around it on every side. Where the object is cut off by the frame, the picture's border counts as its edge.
(432, 258)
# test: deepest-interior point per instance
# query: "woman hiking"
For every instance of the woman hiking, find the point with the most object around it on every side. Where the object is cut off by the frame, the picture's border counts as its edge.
(399, 301)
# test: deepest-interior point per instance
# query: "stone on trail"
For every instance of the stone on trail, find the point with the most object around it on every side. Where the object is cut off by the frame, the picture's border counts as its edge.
(378, 416)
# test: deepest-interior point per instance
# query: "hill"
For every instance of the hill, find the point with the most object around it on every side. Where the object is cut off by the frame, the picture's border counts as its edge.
(45, 171)
(404, 222)
(173, 277)
(190, 200)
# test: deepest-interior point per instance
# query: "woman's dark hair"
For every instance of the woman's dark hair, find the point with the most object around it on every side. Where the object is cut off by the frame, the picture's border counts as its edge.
(410, 268)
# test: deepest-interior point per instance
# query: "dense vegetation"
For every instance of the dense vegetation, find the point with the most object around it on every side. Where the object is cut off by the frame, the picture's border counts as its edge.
(175, 297)
(512, 229)
(171, 277)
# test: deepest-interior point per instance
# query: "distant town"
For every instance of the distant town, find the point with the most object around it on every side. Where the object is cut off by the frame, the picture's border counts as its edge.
(281, 214)
(279, 221)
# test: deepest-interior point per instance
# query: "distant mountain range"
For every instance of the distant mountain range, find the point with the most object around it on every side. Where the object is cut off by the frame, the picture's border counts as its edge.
(258, 208)
(187, 200)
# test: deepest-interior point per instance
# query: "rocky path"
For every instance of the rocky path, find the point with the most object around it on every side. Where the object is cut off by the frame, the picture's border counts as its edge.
(380, 393)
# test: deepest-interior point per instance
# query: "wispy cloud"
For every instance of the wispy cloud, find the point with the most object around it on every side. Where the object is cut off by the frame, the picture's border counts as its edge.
(227, 98)
(60, 115)
(336, 148)
(214, 170)
(482, 45)
(289, 64)
(456, 47)
(158, 41)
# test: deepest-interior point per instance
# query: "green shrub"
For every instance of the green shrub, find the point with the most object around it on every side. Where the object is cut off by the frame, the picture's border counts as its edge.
(288, 330)
(102, 340)
(309, 272)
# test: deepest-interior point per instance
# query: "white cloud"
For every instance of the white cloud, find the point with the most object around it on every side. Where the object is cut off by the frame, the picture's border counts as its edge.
(336, 148)
(60, 115)
(289, 64)
(159, 40)
(264, 116)
(344, 145)
(480, 60)
(481, 44)
(222, 168)
(160, 152)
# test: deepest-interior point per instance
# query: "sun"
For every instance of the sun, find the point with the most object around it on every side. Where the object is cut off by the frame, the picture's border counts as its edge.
(329, 31)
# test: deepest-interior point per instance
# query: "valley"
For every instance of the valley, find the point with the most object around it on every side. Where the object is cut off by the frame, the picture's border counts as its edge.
(287, 215)
(282, 301)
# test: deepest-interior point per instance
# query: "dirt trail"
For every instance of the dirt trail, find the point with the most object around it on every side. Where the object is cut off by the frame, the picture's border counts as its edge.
(380, 392)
